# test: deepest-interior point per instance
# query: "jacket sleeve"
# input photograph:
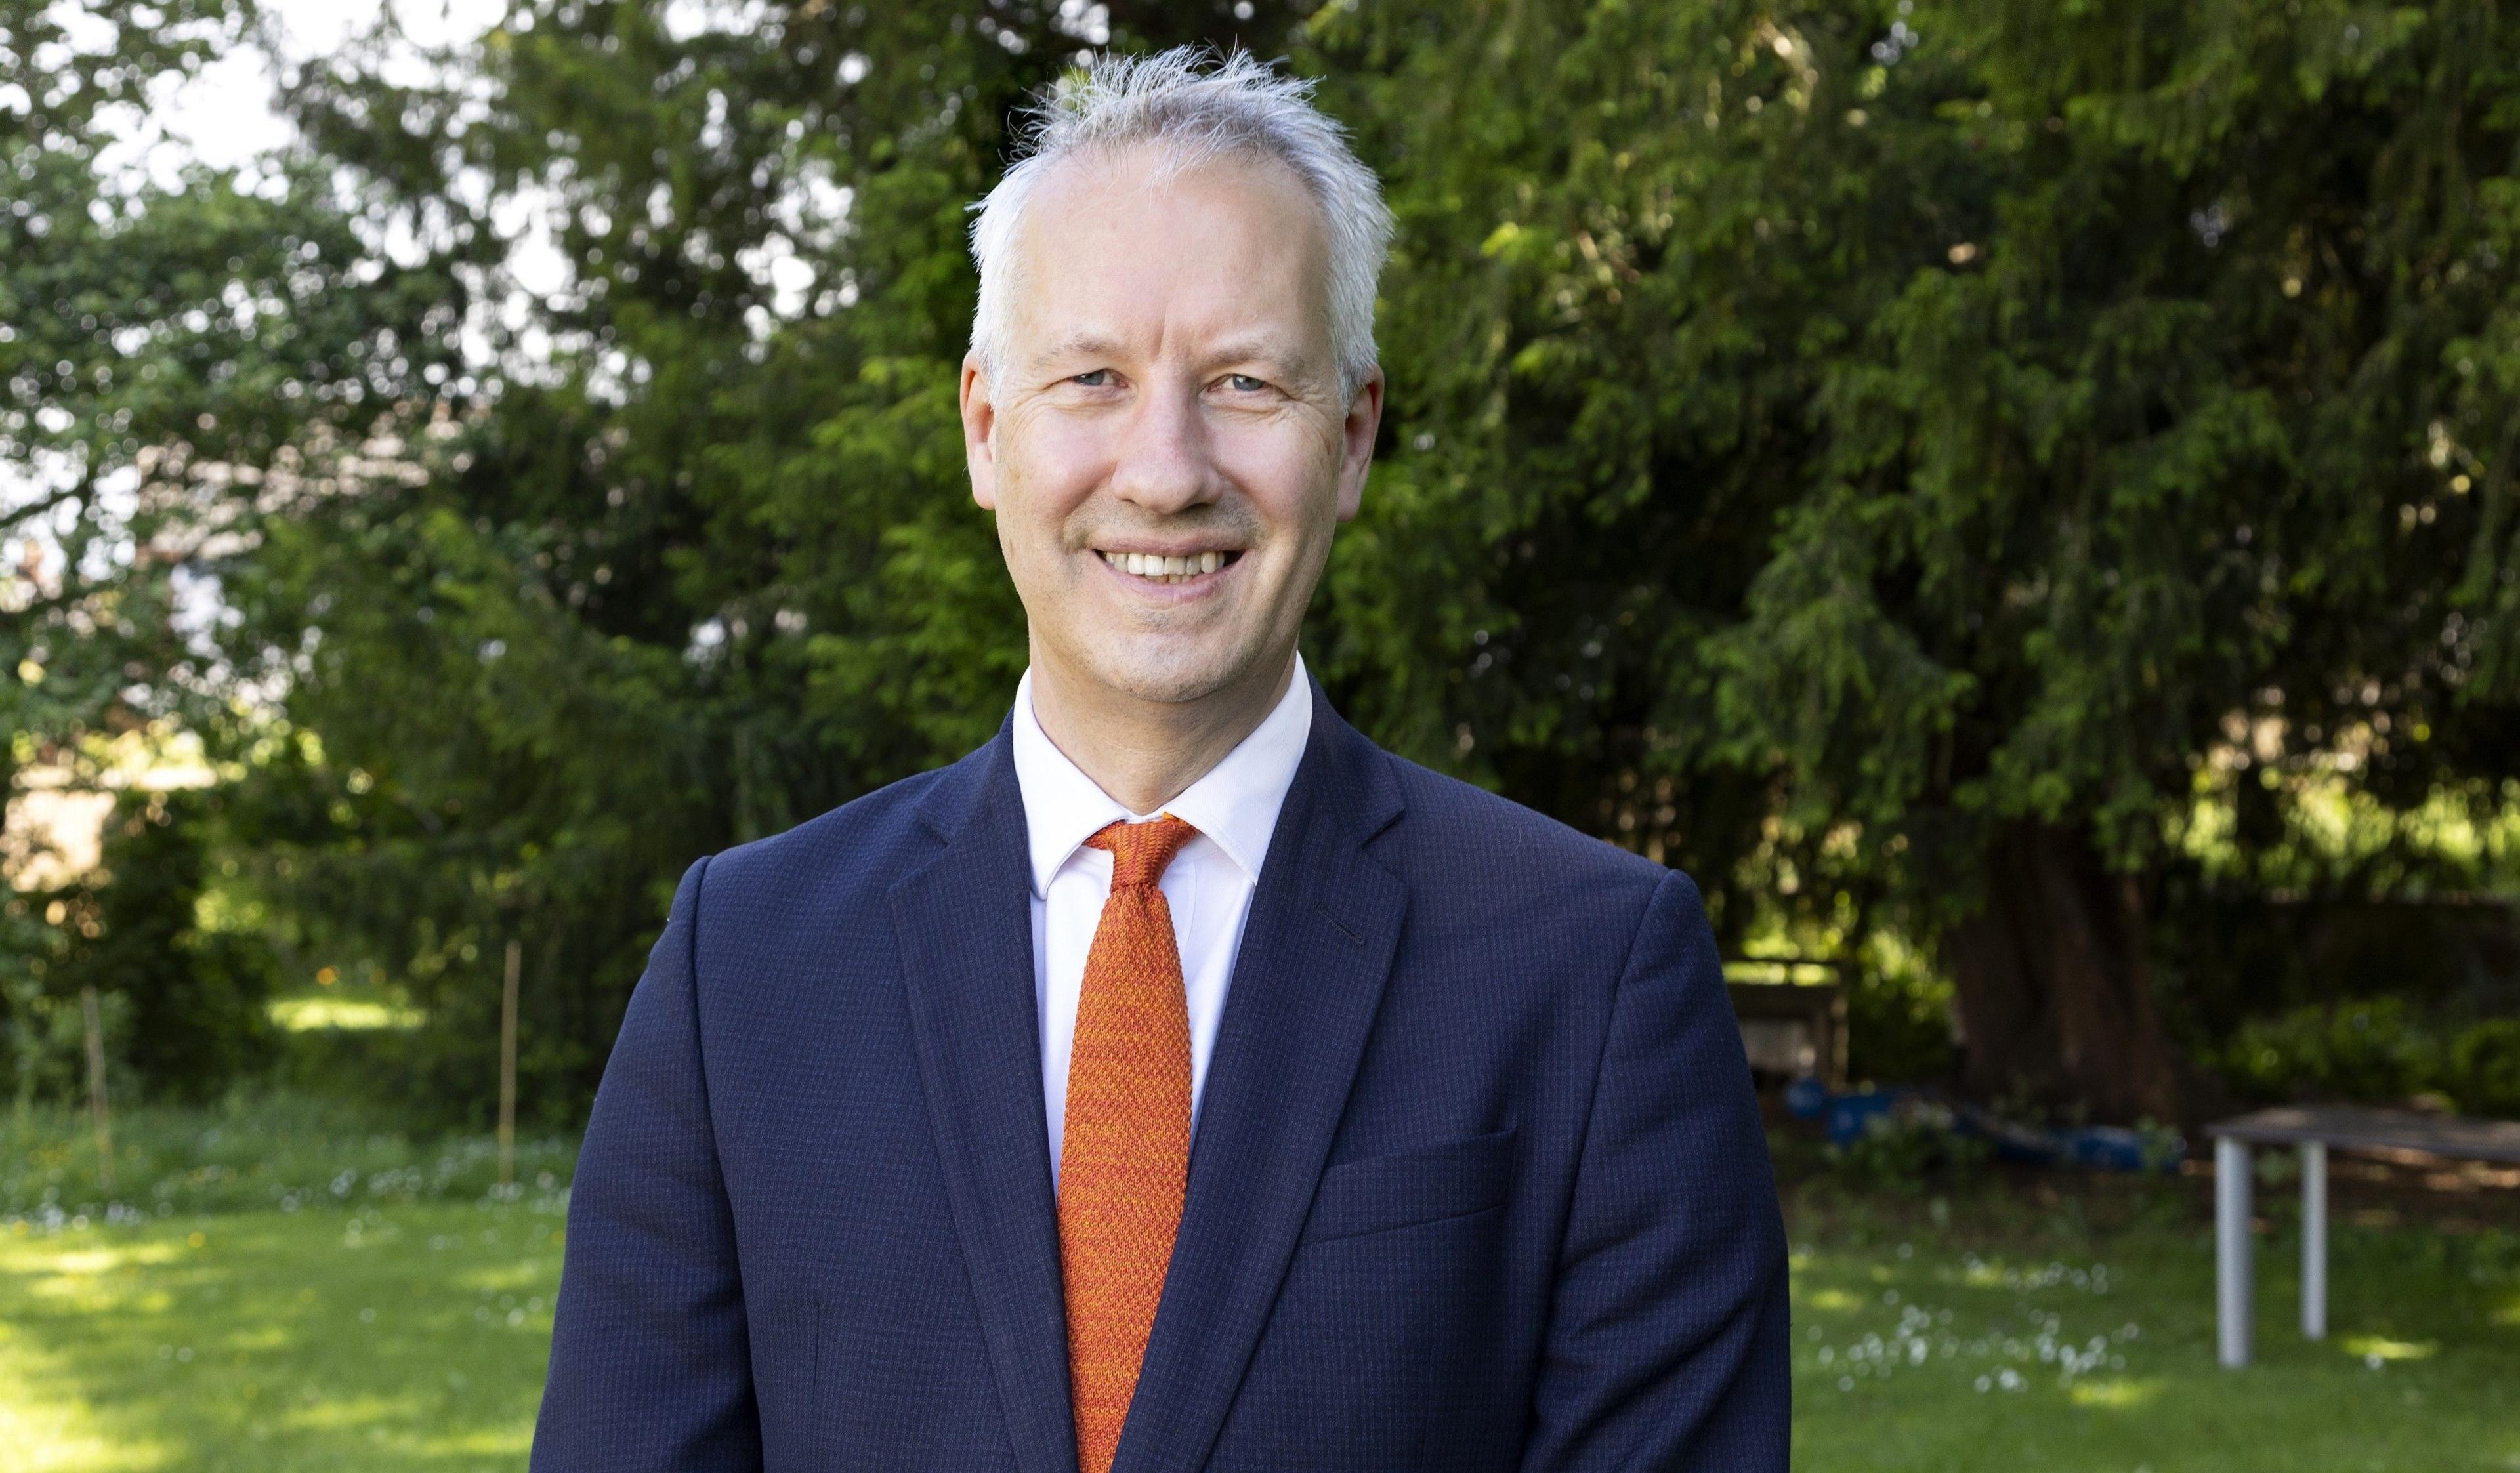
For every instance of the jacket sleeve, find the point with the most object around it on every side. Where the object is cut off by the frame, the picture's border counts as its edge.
(650, 1366)
(1667, 1345)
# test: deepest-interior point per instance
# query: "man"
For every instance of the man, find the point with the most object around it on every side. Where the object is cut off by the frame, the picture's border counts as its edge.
(1179, 1081)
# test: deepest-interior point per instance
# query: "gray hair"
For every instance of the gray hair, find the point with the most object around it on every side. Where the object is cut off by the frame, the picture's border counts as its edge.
(1192, 106)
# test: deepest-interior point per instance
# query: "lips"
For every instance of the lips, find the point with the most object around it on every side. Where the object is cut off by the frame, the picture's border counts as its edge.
(1170, 567)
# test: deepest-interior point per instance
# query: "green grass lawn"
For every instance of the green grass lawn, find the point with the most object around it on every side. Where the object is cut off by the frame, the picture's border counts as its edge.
(278, 1285)
(1924, 1349)
(404, 1337)
(280, 1294)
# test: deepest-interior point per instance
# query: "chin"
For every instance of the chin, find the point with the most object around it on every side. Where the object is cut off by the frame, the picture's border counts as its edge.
(1170, 679)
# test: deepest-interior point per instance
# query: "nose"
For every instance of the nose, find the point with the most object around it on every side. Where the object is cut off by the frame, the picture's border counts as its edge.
(1166, 461)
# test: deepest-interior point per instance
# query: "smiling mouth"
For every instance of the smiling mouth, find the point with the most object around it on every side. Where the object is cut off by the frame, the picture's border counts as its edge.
(1158, 568)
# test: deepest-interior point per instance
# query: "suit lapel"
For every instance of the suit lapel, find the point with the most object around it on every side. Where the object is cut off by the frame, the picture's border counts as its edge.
(1324, 926)
(966, 935)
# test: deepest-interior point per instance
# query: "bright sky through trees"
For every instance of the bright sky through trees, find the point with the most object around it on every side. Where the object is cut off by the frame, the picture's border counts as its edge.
(223, 117)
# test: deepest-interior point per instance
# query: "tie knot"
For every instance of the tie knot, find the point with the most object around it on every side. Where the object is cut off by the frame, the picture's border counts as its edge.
(1140, 852)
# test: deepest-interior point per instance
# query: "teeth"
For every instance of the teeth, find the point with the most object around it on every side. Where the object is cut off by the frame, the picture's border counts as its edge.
(1158, 567)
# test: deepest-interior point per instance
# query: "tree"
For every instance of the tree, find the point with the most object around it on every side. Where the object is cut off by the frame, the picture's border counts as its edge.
(688, 559)
(193, 1018)
(2002, 424)
(1968, 473)
(178, 364)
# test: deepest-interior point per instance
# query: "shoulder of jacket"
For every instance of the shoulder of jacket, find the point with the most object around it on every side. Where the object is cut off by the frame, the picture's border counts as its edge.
(1453, 817)
(859, 833)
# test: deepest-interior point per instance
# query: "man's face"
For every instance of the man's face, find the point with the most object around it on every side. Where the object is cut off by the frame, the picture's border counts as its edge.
(1169, 391)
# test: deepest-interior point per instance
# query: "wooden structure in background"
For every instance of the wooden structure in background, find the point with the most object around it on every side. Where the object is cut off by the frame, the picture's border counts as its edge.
(1792, 1029)
(94, 1016)
(508, 1064)
(2312, 1129)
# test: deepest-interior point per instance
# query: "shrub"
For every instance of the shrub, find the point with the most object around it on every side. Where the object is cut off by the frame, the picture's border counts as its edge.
(2377, 1052)
(195, 998)
(2484, 1068)
(1905, 1148)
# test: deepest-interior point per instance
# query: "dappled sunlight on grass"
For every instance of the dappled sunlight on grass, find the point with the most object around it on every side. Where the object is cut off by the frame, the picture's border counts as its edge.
(2375, 1349)
(46, 1423)
(104, 1260)
(403, 1338)
(2115, 1395)
(351, 1014)
(380, 1330)
(512, 1442)
(357, 1413)
(518, 1276)
(1919, 1353)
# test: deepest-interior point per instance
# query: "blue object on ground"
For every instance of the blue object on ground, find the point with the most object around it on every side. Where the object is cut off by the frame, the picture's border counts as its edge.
(2012, 1139)
(2116, 1148)
(1849, 1113)
(2102, 1147)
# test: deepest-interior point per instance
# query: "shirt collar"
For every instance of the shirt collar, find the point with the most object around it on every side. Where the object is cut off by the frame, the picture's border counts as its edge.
(1235, 803)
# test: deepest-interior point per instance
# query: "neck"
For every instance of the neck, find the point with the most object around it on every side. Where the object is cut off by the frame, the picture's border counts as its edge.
(1144, 752)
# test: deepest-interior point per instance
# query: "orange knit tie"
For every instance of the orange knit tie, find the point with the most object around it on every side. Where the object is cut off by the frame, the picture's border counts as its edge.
(1124, 1160)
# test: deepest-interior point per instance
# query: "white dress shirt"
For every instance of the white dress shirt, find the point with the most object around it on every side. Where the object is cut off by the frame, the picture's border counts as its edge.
(1208, 884)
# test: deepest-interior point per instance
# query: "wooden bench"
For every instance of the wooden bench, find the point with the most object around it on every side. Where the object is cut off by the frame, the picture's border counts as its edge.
(2312, 1129)
(1791, 1029)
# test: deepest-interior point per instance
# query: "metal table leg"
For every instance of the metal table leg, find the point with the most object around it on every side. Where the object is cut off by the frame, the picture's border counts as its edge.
(2231, 1245)
(2313, 1239)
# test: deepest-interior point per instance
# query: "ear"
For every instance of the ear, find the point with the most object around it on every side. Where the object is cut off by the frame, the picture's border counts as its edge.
(979, 423)
(1355, 444)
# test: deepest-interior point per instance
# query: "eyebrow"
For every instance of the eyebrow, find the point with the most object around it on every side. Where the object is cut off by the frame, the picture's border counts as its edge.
(1258, 348)
(1084, 343)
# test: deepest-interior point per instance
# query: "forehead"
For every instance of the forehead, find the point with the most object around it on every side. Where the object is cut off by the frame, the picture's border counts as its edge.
(1120, 246)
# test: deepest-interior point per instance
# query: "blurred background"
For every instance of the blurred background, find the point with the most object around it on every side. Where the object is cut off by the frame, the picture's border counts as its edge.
(2015, 498)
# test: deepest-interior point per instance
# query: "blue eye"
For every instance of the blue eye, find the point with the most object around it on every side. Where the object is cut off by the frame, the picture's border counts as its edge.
(1245, 384)
(1097, 378)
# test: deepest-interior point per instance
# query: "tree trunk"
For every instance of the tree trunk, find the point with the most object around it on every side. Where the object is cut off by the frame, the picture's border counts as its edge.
(2056, 1001)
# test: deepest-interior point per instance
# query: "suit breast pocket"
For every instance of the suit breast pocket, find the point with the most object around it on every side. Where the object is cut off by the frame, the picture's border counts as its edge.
(1413, 1187)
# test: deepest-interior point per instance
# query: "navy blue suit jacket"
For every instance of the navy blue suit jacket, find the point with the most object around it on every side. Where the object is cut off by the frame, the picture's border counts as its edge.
(1479, 1182)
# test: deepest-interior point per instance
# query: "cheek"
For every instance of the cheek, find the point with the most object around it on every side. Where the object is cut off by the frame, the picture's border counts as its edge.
(1291, 477)
(1044, 475)
(1060, 454)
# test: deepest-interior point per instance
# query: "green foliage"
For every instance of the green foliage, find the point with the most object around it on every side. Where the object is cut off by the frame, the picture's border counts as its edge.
(173, 362)
(47, 1058)
(1910, 1147)
(1821, 435)
(1961, 420)
(1899, 1024)
(182, 1007)
(1870, 429)
(2379, 1050)
(193, 1000)
(695, 564)
(178, 364)
(2484, 1068)
(260, 1151)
